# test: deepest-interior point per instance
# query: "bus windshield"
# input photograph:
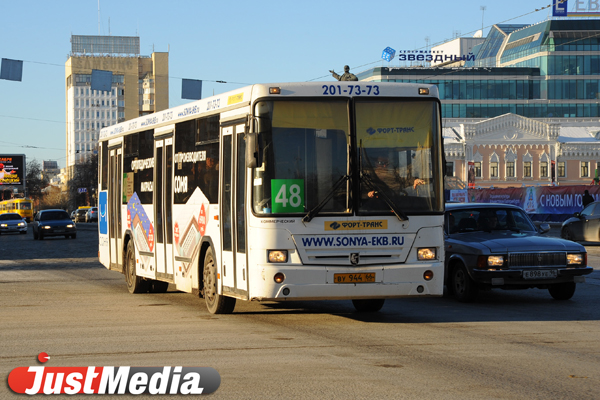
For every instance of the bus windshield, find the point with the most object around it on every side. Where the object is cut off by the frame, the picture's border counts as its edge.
(307, 161)
(305, 152)
(396, 158)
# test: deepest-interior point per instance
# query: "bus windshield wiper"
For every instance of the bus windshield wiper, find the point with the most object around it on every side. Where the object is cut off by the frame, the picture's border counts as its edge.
(315, 210)
(373, 186)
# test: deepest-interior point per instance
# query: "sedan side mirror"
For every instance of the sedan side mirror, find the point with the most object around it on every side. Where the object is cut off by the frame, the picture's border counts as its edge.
(577, 215)
(544, 228)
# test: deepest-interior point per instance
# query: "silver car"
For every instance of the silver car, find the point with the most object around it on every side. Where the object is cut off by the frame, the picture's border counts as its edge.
(492, 246)
(12, 223)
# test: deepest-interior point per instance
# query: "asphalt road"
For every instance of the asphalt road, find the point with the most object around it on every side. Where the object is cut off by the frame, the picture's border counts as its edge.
(56, 298)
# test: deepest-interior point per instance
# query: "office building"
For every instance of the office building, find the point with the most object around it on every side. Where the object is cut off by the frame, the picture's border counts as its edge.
(524, 108)
(140, 85)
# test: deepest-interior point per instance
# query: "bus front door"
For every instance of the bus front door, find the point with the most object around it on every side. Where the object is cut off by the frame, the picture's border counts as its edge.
(233, 221)
(163, 208)
(114, 207)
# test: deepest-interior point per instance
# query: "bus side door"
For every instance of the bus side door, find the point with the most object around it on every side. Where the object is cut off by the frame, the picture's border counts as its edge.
(163, 207)
(233, 221)
(114, 207)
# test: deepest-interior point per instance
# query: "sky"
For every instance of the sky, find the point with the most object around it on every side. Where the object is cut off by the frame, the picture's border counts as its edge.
(239, 42)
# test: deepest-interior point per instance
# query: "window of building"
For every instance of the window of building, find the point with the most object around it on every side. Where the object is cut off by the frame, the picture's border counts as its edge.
(477, 169)
(449, 168)
(493, 169)
(527, 169)
(510, 169)
(543, 169)
(585, 169)
(561, 169)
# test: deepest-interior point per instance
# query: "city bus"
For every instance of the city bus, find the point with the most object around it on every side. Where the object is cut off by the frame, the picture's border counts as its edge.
(23, 207)
(275, 192)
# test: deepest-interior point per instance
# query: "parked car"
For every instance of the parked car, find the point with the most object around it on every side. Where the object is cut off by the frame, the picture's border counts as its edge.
(53, 223)
(12, 223)
(91, 214)
(80, 214)
(497, 246)
(73, 213)
(584, 225)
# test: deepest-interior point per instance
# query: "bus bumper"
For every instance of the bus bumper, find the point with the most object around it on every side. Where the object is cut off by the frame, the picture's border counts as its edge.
(319, 283)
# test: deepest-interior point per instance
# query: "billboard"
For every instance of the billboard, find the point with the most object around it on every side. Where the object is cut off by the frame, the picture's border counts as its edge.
(12, 169)
(578, 8)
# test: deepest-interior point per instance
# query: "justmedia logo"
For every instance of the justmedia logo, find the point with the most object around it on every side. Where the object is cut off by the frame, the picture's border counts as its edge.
(335, 225)
(113, 380)
(371, 131)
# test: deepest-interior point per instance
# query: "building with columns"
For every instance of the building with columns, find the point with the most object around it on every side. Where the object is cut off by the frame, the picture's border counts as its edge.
(511, 150)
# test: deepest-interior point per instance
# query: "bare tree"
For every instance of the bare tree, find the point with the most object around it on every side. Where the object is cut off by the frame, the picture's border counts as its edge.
(35, 182)
(84, 183)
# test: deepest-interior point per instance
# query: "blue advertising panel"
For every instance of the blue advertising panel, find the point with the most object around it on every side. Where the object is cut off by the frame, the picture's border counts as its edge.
(102, 212)
(559, 8)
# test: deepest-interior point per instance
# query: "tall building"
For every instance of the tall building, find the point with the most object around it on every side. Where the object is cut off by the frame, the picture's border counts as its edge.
(523, 108)
(140, 85)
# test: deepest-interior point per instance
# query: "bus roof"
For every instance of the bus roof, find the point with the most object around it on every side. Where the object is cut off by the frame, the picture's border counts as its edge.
(243, 97)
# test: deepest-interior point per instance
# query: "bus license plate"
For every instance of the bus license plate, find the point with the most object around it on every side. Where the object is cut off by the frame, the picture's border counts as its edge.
(354, 278)
(540, 274)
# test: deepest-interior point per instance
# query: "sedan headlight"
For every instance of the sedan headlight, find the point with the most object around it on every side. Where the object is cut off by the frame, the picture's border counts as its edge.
(490, 262)
(427, 253)
(70, 226)
(577, 259)
(21, 224)
(4, 225)
(45, 227)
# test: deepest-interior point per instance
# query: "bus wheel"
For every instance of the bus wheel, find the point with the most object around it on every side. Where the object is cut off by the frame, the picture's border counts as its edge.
(368, 305)
(216, 303)
(135, 284)
(157, 286)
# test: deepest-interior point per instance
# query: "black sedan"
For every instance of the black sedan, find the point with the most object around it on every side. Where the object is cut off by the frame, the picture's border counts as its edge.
(12, 223)
(497, 246)
(53, 223)
(584, 225)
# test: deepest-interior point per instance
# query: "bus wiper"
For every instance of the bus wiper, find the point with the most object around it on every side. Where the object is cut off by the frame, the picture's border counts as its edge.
(313, 213)
(373, 186)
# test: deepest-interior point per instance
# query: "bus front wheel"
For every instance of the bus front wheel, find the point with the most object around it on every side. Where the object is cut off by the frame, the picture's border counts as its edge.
(216, 303)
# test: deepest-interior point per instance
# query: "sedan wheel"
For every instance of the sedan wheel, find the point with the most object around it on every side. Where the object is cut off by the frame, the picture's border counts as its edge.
(464, 288)
(562, 291)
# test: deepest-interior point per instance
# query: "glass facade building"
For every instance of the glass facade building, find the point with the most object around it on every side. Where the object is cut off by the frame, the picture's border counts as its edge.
(546, 70)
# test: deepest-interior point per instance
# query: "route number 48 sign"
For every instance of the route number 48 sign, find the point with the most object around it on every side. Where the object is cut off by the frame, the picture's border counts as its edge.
(287, 195)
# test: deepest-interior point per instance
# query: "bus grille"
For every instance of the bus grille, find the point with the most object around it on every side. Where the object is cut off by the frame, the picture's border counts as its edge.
(517, 260)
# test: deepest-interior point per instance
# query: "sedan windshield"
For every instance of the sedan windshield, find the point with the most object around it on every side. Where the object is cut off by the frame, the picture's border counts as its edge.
(10, 217)
(487, 220)
(54, 215)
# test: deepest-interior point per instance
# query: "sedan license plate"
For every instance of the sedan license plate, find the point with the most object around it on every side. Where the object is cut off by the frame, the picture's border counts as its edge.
(540, 274)
(354, 278)
(59, 230)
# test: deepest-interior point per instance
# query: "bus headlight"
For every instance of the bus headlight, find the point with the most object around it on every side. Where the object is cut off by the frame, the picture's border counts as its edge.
(426, 253)
(277, 256)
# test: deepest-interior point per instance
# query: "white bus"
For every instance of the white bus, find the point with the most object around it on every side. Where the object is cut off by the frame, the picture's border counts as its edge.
(274, 192)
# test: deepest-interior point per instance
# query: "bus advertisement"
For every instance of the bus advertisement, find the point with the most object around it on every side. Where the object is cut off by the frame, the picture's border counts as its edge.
(274, 192)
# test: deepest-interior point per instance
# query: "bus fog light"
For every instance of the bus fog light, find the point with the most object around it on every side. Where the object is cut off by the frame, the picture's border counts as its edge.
(277, 256)
(279, 277)
(420, 289)
(428, 275)
(286, 291)
(426, 253)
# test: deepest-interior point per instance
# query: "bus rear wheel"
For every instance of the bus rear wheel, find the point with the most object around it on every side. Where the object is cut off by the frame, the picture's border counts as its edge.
(216, 303)
(135, 284)
(368, 305)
